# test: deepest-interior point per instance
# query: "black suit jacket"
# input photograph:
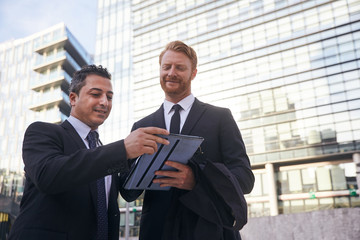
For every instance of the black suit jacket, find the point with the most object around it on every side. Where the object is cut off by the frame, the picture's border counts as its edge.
(59, 200)
(222, 144)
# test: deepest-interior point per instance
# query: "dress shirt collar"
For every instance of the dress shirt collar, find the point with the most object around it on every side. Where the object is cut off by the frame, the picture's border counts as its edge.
(185, 103)
(81, 128)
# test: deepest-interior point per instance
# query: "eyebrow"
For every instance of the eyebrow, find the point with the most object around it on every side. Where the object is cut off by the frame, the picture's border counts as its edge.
(99, 89)
(176, 64)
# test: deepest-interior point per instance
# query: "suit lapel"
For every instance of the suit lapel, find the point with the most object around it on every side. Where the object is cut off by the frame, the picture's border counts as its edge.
(158, 119)
(74, 135)
(80, 145)
(197, 110)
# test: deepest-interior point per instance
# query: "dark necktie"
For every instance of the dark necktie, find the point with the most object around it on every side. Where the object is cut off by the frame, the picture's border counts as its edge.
(165, 197)
(175, 119)
(102, 218)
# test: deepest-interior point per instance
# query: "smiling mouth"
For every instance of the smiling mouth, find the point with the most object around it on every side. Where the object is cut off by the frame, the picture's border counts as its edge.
(171, 81)
(100, 111)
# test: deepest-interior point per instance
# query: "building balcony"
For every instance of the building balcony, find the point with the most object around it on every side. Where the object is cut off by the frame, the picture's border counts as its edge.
(62, 58)
(62, 38)
(42, 62)
(50, 99)
(46, 45)
(53, 115)
(51, 80)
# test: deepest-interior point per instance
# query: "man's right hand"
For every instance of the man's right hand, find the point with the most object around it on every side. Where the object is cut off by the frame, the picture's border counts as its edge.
(144, 140)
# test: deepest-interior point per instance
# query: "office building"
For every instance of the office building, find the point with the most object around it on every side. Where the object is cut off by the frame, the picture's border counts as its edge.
(35, 73)
(288, 70)
(113, 51)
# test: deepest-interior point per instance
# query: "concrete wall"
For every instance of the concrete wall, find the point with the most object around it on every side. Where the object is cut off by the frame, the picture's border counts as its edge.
(334, 224)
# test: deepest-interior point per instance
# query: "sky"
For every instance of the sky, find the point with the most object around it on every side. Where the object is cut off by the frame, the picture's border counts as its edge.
(22, 18)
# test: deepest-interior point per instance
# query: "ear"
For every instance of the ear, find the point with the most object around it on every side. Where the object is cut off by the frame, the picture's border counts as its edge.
(73, 98)
(193, 74)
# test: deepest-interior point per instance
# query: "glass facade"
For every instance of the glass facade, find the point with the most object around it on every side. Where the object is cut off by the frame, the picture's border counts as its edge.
(306, 187)
(289, 70)
(113, 51)
(34, 78)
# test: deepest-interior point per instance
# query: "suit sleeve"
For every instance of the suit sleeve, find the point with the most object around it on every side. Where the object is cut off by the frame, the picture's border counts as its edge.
(234, 153)
(54, 162)
(129, 195)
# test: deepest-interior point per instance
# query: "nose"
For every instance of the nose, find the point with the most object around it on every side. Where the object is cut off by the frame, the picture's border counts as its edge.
(104, 100)
(172, 71)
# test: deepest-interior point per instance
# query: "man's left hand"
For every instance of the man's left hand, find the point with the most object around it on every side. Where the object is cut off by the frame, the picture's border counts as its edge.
(182, 177)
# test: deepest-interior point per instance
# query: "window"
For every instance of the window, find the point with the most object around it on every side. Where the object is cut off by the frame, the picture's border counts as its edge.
(295, 181)
(257, 190)
(338, 177)
(323, 179)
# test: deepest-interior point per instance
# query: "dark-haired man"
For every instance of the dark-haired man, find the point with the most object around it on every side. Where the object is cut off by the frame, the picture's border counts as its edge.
(191, 210)
(72, 180)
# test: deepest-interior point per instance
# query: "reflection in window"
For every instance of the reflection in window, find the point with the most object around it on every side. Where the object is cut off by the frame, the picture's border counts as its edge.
(258, 209)
(265, 184)
(323, 178)
(338, 177)
(328, 135)
(308, 205)
(313, 137)
(297, 206)
(285, 207)
(258, 186)
(326, 203)
(309, 180)
(134, 223)
(311, 205)
(342, 202)
(294, 181)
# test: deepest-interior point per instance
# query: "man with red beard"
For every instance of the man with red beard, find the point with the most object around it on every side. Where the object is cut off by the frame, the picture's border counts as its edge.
(189, 210)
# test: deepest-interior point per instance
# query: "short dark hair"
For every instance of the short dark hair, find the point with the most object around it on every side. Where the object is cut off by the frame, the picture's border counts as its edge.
(179, 46)
(78, 80)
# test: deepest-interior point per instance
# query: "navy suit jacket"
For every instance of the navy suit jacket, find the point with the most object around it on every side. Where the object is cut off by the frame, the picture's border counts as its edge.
(59, 200)
(222, 144)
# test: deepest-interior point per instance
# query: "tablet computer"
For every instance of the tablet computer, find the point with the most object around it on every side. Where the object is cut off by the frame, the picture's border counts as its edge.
(180, 149)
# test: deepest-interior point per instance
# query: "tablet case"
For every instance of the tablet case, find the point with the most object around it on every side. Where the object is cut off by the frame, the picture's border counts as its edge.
(180, 149)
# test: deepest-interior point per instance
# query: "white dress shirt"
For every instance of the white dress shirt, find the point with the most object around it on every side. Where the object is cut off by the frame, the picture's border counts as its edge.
(186, 105)
(83, 130)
